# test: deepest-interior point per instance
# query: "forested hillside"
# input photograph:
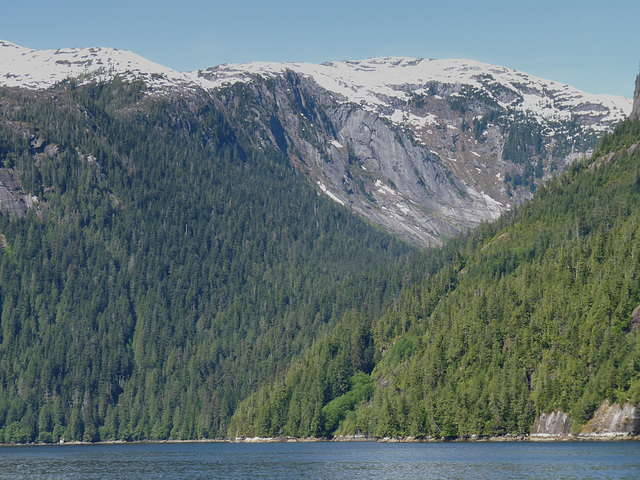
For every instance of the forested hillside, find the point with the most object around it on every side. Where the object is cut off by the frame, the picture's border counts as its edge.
(167, 269)
(530, 314)
(172, 280)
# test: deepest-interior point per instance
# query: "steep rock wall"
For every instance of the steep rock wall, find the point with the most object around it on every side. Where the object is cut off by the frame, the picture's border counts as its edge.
(13, 200)
(635, 113)
(556, 423)
(425, 164)
(612, 420)
(359, 158)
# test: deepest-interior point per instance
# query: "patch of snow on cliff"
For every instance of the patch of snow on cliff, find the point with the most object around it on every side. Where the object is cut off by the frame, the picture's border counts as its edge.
(382, 188)
(329, 194)
(427, 120)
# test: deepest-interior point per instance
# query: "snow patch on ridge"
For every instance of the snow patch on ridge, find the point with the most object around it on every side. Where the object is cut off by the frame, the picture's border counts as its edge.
(377, 84)
(382, 188)
(329, 194)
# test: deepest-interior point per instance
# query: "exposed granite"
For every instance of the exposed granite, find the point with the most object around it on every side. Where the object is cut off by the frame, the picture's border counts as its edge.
(13, 200)
(609, 421)
(634, 323)
(360, 159)
(556, 423)
(635, 112)
(613, 420)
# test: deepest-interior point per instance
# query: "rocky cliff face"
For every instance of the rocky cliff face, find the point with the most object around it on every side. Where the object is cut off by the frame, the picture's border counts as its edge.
(13, 198)
(612, 420)
(456, 144)
(359, 158)
(635, 112)
(556, 423)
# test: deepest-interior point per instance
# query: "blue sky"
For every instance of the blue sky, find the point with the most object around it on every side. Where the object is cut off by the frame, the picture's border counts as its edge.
(592, 45)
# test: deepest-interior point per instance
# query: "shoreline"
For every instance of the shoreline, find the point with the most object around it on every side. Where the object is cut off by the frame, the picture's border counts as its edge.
(535, 438)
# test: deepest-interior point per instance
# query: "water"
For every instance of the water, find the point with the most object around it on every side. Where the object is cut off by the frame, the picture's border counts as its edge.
(353, 461)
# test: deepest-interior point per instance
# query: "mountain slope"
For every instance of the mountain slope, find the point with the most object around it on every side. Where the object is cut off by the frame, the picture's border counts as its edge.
(167, 269)
(170, 266)
(428, 148)
(425, 148)
(535, 313)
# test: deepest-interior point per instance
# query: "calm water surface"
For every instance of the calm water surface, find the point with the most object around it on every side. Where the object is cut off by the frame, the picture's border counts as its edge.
(572, 460)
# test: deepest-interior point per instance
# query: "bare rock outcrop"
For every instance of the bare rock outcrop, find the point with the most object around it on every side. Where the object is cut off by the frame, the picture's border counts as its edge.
(613, 420)
(557, 423)
(634, 323)
(13, 200)
(635, 112)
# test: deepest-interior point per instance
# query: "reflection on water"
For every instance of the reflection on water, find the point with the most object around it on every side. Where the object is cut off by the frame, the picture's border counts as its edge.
(327, 460)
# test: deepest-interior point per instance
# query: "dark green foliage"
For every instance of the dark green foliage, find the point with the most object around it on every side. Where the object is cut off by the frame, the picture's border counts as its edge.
(480, 125)
(170, 270)
(457, 103)
(524, 140)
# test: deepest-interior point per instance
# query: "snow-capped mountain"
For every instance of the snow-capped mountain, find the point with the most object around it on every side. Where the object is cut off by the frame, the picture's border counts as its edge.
(379, 84)
(384, 85)
(426, 148)
(41, 69)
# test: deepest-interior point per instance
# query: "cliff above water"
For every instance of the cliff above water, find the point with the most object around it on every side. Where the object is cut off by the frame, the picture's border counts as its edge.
(613, 419)
(609, 420)
(556, 423)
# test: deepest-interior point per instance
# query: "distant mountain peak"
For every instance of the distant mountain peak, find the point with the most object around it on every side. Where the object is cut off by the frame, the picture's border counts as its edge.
(377, 82)
(461, 140)
(41, 69)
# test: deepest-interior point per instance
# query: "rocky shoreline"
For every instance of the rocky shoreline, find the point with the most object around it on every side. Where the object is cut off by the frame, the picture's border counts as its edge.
(471, 438)
(610, 422)
(367, 438)
(500, 438)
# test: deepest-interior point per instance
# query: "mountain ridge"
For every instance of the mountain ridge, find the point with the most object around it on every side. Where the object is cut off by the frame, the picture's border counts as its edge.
(79, 61)
(396, 76)
(425, 148)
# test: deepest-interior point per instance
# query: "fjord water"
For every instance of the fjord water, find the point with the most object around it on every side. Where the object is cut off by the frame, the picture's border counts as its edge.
(326, 460)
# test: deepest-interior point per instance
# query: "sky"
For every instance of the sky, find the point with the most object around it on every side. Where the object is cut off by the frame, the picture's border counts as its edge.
(591, 45)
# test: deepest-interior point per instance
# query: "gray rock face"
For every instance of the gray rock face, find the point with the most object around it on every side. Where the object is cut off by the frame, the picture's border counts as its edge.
(360, 159)
(13, 200)
(634, 323)
(459, 159)
(635, 112)
(612, 420)
(556, 423)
